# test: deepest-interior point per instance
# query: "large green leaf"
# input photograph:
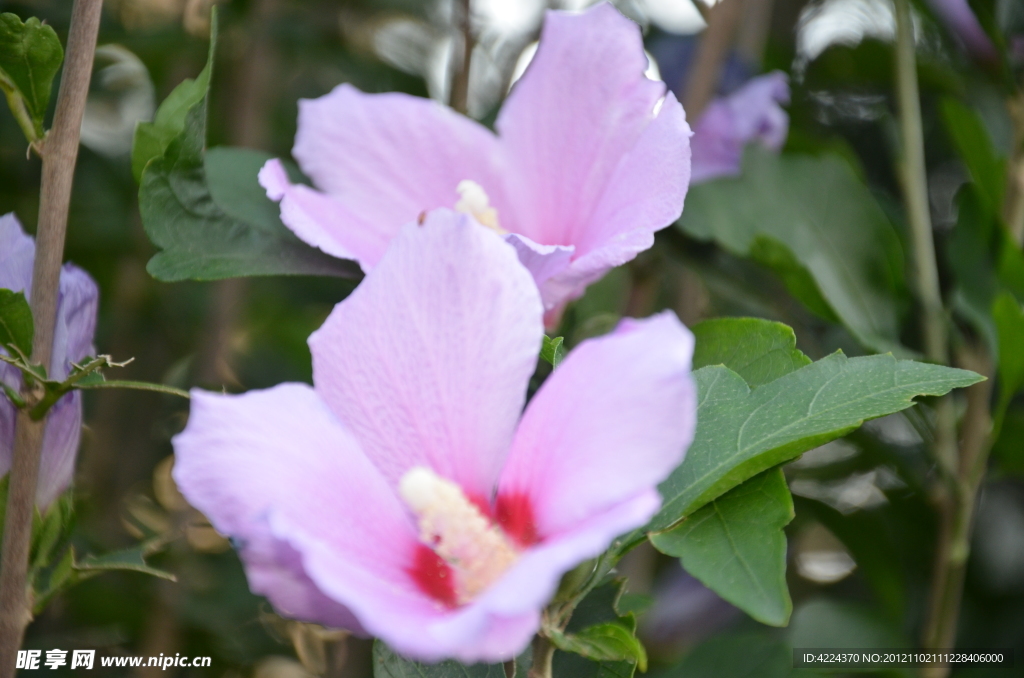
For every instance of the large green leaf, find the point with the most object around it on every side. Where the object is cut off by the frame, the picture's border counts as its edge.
(153, 138)
(735, 545)
(208, 214)
(974, 145)
(30, 56)
(387, 664)
(16, 328)
(743, 655)
(742, 432)
(607, 642)
(1009, 321)
(823, 214)
(758, 350)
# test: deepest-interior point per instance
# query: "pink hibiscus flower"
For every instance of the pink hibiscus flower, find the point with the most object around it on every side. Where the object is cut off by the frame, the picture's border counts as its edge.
(407, 494)
(589, 160)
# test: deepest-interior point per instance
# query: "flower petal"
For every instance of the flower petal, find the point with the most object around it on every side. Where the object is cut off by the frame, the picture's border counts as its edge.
(17, 255)
(542, 261)
(961, 21)
(533, 580)
(280, 454)
(73, 333)
(572, 119)
(645, 194)
(411, 624)
(751, 113)
(73, 336)
(322, 221)
(610, 423)
(428, 361)
(385, 159)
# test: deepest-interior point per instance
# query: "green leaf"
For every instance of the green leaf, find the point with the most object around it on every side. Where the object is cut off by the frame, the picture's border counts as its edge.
(51, 529)
(153, 138)
(387, 664)
(758, 350)
(742, 432)
(30, 56)
(132, 559)
(612, 641)
(821, 212)
(1009, 320)
(735, 546)
(741, 655)
(552, 350)
(16, 328)
(974, 145)
(972, 254)
(209, 216)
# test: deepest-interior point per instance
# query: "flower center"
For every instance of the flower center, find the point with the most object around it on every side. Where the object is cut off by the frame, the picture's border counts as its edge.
(473, 201)
(476, 549)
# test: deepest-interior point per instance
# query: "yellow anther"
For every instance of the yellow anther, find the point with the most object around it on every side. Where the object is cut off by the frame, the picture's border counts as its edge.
(475, 548)
(473, 201)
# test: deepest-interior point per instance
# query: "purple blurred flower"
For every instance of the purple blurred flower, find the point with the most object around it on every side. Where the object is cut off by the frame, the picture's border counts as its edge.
(406, 494)
(73, 335)
(961, 22)
(591, 158)
(751, 113)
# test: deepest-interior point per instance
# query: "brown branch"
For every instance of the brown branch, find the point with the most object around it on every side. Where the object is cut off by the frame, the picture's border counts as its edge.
(460, 79)
(702, 80)
(60, 152)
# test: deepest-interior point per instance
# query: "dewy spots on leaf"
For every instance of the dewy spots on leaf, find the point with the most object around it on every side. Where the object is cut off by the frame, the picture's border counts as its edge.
(475, 202)
(460, 534)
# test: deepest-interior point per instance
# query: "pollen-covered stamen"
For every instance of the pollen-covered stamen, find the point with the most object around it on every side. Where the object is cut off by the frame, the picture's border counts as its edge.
(473, 546)
(474, 202)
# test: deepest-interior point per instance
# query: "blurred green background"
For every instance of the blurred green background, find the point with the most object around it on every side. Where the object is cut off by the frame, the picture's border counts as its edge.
(861, 546)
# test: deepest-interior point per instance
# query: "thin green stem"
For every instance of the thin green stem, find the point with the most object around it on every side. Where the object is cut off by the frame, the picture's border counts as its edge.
(915, 190)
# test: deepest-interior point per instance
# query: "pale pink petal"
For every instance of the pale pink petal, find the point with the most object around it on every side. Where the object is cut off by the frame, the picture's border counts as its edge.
(386, 158)
(610, 423)
(274, 569)
(17, 253)
(429, 359)
(533, 580)
(570, 122)
(961, 21)
(74, 328)
(750, 114)
(542, 261)
(411, 624)
(280, 454)
(324, 222)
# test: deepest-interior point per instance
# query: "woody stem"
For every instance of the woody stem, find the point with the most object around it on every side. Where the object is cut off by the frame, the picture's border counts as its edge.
(60, 152)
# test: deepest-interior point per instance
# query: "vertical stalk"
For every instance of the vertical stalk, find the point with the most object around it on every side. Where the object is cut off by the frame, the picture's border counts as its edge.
(460, 79)
(963, 469)
(915, 189)
(60, 152)
(915, 194)
(723, 19)
(543, 653)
